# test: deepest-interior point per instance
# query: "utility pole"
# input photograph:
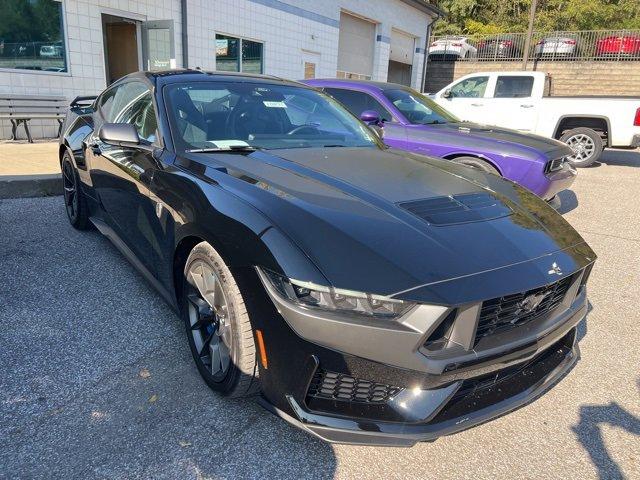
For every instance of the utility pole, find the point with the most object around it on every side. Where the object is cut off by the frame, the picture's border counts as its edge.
(527, 42)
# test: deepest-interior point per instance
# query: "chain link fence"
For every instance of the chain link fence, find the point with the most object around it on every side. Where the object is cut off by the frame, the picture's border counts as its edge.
(607, 45)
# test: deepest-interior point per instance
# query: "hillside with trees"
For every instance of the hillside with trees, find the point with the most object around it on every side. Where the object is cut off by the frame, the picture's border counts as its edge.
(491, 16)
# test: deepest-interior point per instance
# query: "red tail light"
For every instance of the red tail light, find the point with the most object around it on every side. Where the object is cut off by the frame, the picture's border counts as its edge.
(507, 43)
(636, 121)
(570, 42)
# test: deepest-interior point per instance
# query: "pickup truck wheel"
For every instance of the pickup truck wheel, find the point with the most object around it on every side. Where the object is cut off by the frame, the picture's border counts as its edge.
(478, 164)
(586, 144)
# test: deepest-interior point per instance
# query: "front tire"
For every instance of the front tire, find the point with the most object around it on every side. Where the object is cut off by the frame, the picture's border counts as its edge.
(478, 164)
(586, 144)
(217, 323)
(74, 200)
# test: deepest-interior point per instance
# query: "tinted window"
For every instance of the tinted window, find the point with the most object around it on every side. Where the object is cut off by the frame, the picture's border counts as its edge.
(358, 102)
(417, 108)
(473, 87)
(513, 87)
(31, 35)
(270, 116)
(132, 103)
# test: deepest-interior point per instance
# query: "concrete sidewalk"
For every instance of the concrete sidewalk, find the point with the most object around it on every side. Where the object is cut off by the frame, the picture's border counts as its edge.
(29, 169)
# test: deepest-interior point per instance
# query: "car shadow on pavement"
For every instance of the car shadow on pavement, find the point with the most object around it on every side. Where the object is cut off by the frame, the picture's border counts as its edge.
(589, 433)
(568, 201)
(621, 158)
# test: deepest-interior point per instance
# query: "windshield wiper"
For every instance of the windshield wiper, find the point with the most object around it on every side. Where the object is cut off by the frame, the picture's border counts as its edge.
(228, 149)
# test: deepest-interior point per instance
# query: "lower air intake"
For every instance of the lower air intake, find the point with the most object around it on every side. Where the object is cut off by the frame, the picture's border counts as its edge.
(340, 387)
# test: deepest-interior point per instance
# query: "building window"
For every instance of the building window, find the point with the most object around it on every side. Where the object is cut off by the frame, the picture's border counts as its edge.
(32, 35)
(238, 55)
(352, 75)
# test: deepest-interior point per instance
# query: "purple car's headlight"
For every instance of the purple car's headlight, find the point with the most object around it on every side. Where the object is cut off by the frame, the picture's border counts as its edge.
(335, 299)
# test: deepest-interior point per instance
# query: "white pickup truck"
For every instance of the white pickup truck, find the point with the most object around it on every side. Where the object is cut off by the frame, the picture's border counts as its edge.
(523, 101)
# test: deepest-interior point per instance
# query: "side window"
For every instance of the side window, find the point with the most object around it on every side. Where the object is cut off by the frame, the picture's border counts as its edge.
(131, 102)
(473, 87)
(358, 102)
(513, 86)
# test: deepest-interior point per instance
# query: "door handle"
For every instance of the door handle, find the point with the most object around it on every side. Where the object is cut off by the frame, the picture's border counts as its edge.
(526, 106)
(477, 104)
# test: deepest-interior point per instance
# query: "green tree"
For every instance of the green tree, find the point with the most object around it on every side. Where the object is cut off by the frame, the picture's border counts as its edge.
(485, 16)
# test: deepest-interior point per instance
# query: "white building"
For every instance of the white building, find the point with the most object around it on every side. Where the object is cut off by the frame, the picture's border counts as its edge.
(84, 45)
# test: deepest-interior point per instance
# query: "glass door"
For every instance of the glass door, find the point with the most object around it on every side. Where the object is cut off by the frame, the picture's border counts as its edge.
(158, 46)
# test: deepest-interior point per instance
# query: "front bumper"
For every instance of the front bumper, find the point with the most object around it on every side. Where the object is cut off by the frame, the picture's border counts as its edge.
(557, 181)
(439, 391)
(450, 412)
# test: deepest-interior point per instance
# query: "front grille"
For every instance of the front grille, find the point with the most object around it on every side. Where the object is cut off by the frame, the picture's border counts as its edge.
(481, 392)
(463, 208)
(504, 313)
(338, 386)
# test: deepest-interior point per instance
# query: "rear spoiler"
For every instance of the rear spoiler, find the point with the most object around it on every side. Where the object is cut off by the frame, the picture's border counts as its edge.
(83, 101)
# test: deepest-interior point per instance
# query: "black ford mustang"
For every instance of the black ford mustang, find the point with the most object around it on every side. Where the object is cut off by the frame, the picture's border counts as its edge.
(371, 296)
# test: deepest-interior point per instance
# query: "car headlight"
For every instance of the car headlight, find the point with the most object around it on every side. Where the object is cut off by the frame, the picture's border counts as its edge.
(334, 299)
(555, 165)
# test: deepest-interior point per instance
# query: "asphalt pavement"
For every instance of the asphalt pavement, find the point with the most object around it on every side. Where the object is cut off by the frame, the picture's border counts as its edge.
(97, 380)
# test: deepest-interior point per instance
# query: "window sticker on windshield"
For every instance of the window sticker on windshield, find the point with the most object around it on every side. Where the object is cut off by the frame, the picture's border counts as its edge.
(274, 104)
(228, 143)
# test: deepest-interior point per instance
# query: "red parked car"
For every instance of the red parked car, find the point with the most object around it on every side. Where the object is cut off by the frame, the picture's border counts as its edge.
(628, 45)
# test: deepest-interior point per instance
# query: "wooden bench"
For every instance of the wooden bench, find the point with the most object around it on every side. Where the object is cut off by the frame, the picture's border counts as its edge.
(19, 109)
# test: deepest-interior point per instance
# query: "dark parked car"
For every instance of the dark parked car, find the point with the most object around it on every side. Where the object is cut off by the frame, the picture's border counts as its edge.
(501, 47)
(371, 296)
(414, 122)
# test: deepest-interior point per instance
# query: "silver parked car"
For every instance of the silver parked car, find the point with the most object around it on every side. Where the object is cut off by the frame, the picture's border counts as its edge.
(452, 47)
(557, 46)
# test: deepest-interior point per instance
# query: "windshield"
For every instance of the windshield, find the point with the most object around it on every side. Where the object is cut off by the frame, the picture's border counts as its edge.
(242, 115)
(417, 108)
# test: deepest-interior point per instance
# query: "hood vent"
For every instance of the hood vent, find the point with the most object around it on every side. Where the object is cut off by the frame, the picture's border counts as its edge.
(463, 208)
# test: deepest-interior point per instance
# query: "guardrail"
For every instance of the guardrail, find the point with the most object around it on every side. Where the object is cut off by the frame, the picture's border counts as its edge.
(609, 45)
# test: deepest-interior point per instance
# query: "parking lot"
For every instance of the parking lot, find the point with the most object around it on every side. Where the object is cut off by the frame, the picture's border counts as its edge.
(98, 381)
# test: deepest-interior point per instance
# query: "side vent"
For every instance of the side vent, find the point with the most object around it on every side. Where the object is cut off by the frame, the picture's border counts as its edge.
(463, 208)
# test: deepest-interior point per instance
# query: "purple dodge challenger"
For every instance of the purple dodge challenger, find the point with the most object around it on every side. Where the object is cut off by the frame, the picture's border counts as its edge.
(412, 121)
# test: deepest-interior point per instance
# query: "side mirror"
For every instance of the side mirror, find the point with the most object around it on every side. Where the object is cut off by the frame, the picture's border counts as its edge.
(377, 129)
(447, 93)
(371, 117)
(120, 134)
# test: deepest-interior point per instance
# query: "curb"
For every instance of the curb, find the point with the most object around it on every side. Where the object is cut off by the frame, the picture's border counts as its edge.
(26, 186)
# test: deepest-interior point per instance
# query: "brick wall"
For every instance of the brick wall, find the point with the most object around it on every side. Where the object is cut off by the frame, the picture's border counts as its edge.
(568, 78)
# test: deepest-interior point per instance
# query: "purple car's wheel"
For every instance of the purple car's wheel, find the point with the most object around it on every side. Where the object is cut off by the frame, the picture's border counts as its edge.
(478, 164)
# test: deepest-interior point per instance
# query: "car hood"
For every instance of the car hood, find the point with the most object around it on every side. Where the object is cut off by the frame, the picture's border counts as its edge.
(351, 211)
(498, 138)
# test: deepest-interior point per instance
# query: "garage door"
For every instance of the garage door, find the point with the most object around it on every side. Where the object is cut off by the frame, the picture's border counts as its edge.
(400, 58)
(402, 46)
(355, 47)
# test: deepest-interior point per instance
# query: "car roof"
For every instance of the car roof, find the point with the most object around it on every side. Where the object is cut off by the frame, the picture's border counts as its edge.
(348, 82)
(164, 77)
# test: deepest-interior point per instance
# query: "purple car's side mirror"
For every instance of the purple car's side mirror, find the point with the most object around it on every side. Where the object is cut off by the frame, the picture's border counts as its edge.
(371, 117)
